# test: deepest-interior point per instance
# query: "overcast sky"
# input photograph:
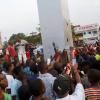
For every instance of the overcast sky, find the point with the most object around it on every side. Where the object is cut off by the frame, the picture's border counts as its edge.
(22, 16)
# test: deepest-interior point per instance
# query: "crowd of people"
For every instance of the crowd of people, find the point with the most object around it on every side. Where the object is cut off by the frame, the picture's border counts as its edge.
(27, 76)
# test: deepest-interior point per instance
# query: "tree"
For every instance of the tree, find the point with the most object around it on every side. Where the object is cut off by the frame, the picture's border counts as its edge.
(13, 37)
(75, 36)
(35, 39)
(21, 35)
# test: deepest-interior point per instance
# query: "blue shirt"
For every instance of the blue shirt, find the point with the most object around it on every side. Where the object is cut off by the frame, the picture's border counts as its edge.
(28, 71)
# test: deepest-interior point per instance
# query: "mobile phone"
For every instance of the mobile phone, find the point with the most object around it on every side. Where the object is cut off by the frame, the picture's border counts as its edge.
(48, 61)
(74, 61)
(8, 91)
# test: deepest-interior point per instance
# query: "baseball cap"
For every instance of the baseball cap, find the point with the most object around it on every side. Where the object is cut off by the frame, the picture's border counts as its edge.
(61, 85)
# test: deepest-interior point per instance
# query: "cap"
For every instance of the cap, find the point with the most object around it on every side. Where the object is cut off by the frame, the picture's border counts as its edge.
(61, 85)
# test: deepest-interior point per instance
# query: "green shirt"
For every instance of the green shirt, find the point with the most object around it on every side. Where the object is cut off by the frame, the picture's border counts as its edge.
(7, 96)
(97, 57)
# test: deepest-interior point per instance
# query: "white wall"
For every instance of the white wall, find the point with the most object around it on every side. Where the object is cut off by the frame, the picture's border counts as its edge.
(52, 24)
(67, 24)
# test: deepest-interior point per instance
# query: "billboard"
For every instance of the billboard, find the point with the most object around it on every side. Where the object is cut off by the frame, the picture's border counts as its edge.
(80, 29)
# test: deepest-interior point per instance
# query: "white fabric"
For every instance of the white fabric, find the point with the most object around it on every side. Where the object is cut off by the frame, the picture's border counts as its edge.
(77, 95)
(7, 52)
(17, 84)
(21, 46)
(1, 52)
(4, 73)
(20, 56)
(48, 80)
(10, 80)
(14, 85)
(21, 50)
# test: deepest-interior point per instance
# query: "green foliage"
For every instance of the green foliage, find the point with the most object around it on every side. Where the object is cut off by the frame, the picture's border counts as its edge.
(14, 36)
(35, 39)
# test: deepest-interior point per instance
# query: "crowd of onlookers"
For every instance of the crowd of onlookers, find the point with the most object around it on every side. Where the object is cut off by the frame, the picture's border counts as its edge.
(27, 76)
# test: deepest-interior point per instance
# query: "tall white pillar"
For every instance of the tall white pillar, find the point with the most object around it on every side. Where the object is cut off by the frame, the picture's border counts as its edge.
(55, 25)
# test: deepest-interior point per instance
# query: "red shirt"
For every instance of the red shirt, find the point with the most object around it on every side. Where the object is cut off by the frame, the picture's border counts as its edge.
(56, 56)
(6, 58)
(28, 55)
(11, 50)
(92, 93)
(74, 53)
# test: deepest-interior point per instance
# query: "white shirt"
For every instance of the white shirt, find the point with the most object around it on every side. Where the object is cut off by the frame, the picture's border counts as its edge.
(48, 80)
(17, 84)
(1, 52)
(77, 95)
(14, 85)
(10, 80)
(21, 46)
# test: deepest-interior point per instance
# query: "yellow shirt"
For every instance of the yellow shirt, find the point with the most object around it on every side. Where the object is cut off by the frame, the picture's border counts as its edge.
(97, 57)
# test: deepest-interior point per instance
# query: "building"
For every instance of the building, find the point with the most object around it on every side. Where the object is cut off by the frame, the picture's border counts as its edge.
(91, 33)
(55, 25)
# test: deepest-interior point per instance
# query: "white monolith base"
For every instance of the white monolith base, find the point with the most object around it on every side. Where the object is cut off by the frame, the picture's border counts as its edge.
(55, 25)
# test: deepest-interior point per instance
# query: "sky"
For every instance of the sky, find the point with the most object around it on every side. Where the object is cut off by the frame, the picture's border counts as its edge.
(84, 11)
(18, 16)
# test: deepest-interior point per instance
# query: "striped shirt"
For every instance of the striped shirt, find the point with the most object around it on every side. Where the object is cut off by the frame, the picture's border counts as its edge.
(92, 93)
